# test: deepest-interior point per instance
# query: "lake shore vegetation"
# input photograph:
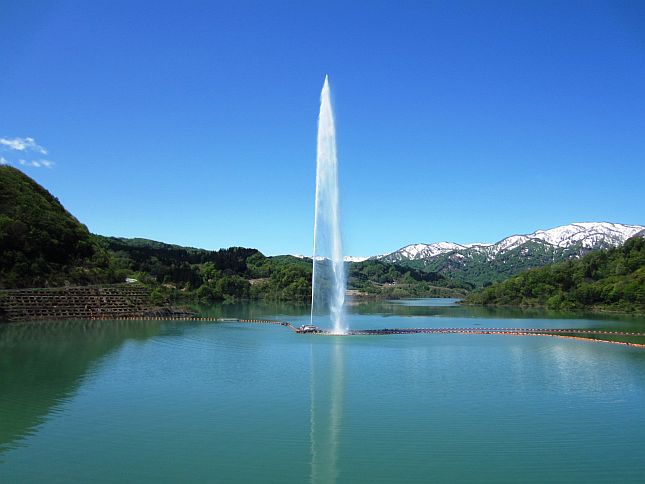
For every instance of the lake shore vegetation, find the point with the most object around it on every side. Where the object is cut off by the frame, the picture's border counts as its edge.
(605, 280)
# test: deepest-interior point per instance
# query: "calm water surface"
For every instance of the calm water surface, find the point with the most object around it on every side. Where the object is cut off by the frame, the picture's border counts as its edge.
(185, 401)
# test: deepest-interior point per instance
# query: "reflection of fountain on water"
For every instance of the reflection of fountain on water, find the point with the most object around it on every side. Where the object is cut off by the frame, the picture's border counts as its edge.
(325, 425)
(328, 278)
(327, 297)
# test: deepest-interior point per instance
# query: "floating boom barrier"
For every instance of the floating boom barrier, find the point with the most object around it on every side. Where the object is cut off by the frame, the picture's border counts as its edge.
(569, 333)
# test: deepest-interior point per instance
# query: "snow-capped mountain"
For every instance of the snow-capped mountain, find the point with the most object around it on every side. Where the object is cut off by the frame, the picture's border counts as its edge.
(586, 235)
(423, 251)
(589, 235)
(479, 264)
(427, 251)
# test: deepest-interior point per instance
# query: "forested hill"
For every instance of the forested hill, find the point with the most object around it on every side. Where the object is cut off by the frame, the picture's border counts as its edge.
(41, 243)
(238, 272)
(168, 263)
(177, 272)
(611, 279)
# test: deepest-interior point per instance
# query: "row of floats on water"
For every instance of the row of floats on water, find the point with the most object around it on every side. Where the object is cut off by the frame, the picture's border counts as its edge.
(313, 329)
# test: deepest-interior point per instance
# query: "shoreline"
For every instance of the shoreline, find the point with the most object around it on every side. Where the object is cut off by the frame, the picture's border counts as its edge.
(591, 309)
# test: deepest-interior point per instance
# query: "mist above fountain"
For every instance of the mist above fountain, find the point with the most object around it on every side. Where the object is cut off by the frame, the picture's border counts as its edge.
(328, 279)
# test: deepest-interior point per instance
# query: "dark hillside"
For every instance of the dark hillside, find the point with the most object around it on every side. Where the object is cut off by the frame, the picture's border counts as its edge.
(41, 243)
(173, 263)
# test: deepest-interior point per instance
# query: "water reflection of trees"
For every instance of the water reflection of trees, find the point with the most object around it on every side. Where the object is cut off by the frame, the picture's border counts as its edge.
(253, 309)
(43, 364)
(265, 309)
(484, 312)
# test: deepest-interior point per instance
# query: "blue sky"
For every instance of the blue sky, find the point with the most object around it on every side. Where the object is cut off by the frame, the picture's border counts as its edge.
(195, 122)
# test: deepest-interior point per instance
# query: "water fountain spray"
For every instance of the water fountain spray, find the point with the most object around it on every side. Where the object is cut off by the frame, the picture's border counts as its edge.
(328, 278)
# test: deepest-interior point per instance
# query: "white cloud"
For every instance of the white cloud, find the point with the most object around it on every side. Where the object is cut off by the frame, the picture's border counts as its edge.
(37, 163)
(25, 147)
(23, 144)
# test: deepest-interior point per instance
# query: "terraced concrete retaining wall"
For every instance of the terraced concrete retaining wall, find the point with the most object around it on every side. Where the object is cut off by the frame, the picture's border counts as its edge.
(87, 302)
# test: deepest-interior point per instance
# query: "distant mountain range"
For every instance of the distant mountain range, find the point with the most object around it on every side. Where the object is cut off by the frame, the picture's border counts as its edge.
(481, 264)
(43, 245)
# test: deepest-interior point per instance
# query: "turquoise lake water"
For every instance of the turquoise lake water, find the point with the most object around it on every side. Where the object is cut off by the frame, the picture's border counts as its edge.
(193, 402)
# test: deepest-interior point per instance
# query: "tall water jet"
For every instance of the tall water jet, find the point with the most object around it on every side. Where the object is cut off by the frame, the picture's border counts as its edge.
(328, 278)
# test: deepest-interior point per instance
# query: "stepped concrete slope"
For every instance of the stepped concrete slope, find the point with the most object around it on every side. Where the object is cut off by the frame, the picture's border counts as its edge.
(88, 302)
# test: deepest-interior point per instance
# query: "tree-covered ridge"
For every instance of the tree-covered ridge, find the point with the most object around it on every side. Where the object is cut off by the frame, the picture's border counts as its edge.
(611, 279)
(167, 263)
(41, 243)
(178, 273)
(240, 273)
(388, 280)
(480, 270)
